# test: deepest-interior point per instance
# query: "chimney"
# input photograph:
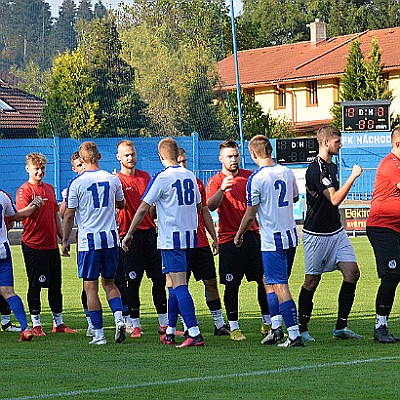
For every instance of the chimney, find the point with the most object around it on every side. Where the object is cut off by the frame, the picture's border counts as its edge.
(317, 31)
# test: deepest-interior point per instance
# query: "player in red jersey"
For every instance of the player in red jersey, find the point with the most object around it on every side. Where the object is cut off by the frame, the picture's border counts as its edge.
(40, 245)
(143, 255)
(383, 230)
(226, 192)
(201, 263)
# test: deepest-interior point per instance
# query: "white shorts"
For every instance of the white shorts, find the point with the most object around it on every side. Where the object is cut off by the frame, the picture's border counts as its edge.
(323, 253)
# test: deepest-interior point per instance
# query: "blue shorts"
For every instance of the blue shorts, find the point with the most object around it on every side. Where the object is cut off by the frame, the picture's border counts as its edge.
(6, 271)
(175, 260)
(277, 265)
(93, 263)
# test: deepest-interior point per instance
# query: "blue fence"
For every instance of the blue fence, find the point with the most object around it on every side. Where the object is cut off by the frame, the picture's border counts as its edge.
(366, 149)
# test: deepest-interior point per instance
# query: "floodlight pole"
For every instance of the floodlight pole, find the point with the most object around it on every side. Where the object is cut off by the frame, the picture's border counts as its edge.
(237, 84)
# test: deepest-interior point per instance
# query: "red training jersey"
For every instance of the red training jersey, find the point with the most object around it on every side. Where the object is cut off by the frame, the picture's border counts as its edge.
(233, 204)
(134, 187)
(385, 203)
(201, 230)
(40, 229)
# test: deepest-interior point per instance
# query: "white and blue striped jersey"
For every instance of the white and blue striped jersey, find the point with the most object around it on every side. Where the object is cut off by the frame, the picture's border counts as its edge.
(175, 192)
(7, 209)
(93, 195)
(273, 188)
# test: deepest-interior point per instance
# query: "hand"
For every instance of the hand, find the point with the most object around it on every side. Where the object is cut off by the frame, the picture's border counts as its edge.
(37, 202)
(126, 242)
(238, 240)
(215, 247)
(357, 170)
(65, 250)
(227, 183)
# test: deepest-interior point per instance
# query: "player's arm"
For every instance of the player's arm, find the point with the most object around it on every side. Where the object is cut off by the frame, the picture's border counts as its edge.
(120, 205)
(68, 221)
(63, 205)
(59, 226)
(215, 200)
(337, 196)
(137, 219)
(247, 220)
(209, 225)
(27, 211)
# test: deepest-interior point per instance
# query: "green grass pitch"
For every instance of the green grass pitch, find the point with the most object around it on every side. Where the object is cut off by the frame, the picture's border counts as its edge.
(65, 366)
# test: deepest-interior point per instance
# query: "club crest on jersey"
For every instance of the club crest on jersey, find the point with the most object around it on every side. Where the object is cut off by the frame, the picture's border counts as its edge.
(229, 277)
(132, 275)
(392, 264)
(42, 278)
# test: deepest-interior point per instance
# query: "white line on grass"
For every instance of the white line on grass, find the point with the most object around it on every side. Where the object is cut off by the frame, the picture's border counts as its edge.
(202, 378)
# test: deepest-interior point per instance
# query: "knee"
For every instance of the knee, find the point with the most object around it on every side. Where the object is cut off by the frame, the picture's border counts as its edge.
(311, 282)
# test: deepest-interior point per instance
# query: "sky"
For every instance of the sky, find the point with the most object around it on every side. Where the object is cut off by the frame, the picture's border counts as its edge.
(55, 4)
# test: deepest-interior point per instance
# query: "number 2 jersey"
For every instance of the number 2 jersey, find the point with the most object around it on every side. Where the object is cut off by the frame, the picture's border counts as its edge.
(273, 188)
(175, 192)
(93, 195)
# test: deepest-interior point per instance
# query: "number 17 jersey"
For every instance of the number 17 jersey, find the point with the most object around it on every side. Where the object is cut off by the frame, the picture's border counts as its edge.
(93, 195)
(175, 192)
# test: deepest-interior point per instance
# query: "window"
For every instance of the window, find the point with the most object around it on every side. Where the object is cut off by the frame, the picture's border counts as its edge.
(5, 107)
(250, 92)
(280, 100)
(312, 91)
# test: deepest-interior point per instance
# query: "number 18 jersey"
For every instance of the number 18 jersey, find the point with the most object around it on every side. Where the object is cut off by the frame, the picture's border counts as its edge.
(93, 195)
(175, 192)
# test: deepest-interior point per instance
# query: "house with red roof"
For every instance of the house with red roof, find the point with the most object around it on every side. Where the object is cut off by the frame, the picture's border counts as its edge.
(301, 81)
(20, 112)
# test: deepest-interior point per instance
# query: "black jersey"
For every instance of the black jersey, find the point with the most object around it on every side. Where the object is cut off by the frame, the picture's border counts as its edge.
(322, 216)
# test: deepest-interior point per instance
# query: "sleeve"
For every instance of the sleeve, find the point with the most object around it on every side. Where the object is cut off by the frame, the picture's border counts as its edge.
(23, 198)
(154, 190)
(318, 180)
(212, 186)
(119, 193)
(202, 191)
(9, 209)
(72, 195)
(294, 183)
(252, 191)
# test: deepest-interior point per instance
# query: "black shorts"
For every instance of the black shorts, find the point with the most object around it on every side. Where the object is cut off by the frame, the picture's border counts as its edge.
(43, 267)
(202, 264)
(142, 256)
(246, 260)
(386, 245)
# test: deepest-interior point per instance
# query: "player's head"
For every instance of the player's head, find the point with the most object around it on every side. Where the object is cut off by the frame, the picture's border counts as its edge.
(229, 155)
(36, 167)
(168, 150)
(77, 164)
(182, 161)
(396, 139)
(89, 152)
(260, 146)
(127, 154)
(329, 139)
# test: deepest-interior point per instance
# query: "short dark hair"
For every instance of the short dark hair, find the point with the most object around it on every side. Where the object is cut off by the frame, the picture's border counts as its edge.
(228, 144)
(261, 145)
(327, 132)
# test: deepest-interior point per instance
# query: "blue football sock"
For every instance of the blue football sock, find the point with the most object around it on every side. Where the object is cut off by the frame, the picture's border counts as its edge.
(186, 305)
(289, 313)
(96, 317)
(173, 308)
(115, 304)
(17, 308)
(273, 304)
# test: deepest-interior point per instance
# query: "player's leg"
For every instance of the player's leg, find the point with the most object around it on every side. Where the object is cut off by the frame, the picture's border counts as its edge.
(33, 273)
(346, 262)
(121, 282)
(95, 311)
(52, 258)
(5, 312)
(230, 275)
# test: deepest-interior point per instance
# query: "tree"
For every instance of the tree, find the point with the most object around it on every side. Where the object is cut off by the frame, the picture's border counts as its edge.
(85, 11)
(99, 10)
(362, 80)
(70, 110)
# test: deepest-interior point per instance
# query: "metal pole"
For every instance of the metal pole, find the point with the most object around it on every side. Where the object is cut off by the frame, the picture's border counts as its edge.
(237, 84)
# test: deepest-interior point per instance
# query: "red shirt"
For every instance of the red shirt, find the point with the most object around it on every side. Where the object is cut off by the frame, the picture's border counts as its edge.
(233, 204)
(40, 229)
(385, 203)
(201, 230)
(134, 187)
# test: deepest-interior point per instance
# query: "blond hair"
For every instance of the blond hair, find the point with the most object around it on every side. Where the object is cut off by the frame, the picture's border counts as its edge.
(36, 159)
(89, 152)
(261, 145)
(168, 149)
